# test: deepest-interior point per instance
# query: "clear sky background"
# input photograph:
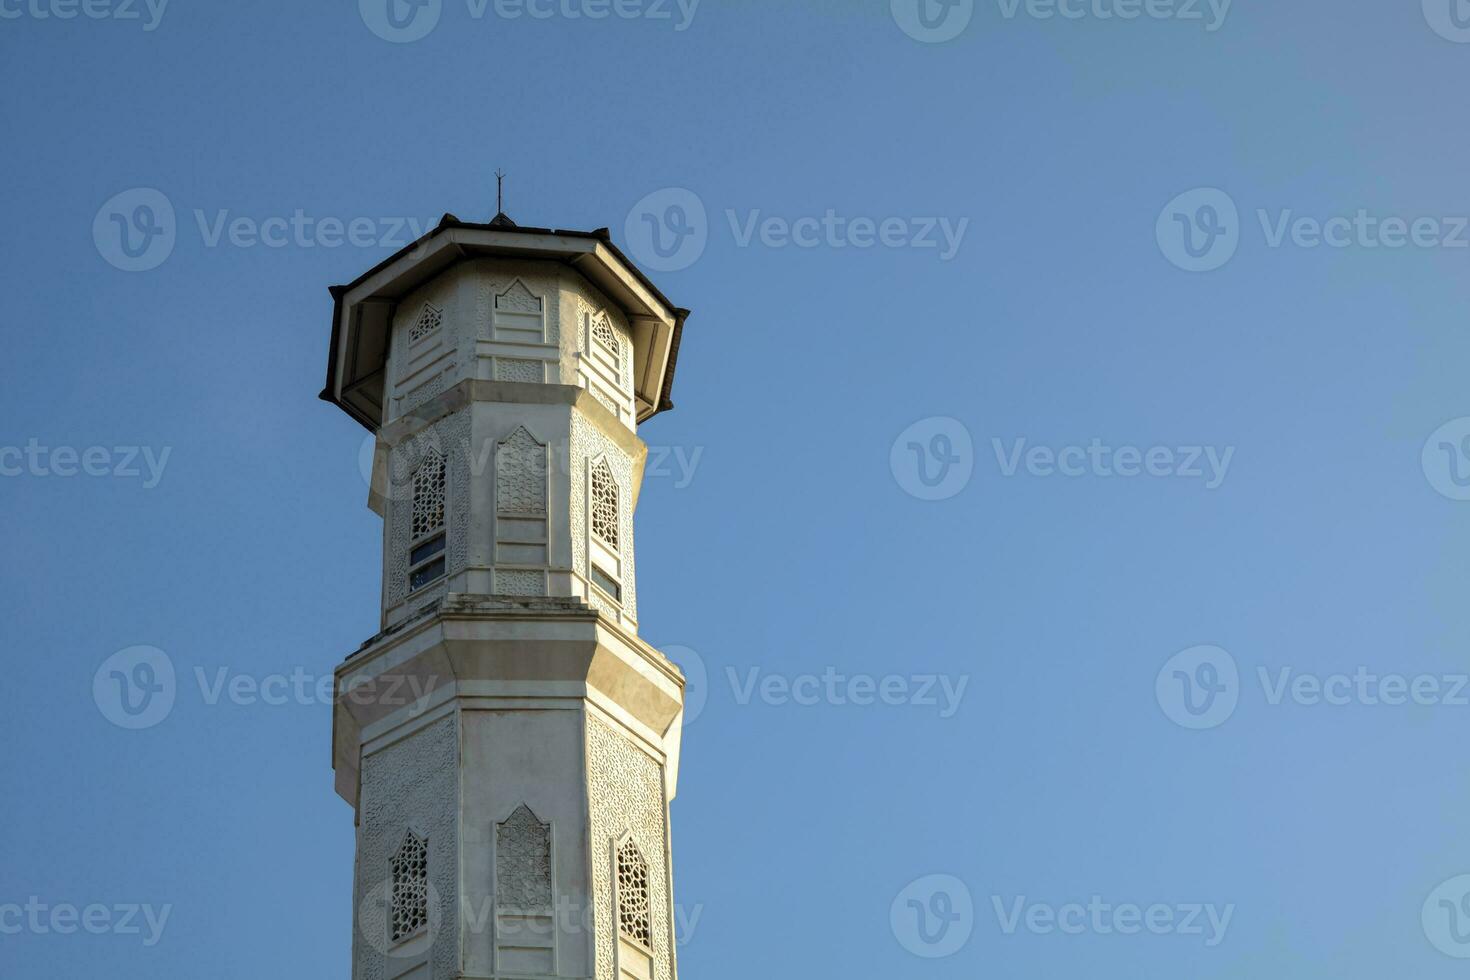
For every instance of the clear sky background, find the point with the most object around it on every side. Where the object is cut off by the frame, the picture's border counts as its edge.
(800, 830)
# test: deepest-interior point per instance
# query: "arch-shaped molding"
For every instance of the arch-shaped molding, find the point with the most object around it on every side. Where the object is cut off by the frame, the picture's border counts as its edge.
(522, 488)
(523, 862)
(521, 468)
(519, 315)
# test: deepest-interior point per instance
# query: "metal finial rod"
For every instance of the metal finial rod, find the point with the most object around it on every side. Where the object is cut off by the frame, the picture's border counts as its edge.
(499, 191)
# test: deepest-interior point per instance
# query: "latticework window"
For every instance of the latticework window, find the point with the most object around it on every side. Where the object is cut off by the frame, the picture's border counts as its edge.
(633, 917)
(410, 887)
(428, 494)
(604, 503)
(603, 333)
(428, 321)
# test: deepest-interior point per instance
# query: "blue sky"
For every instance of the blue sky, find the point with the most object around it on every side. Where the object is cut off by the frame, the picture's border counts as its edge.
(1118, 722)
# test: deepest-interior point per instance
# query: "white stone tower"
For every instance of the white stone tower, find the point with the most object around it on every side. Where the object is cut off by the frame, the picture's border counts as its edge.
(509, 743)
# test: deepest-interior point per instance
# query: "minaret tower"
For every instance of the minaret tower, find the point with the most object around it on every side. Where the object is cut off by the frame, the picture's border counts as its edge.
(508, 741)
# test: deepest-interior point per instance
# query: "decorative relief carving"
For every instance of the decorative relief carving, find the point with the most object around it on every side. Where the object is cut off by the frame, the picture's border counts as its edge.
(519, 369)
(427, 391)
(520, 475)
(519, 315)
(523, 862)
(412, 783)
(518, 299)
(626, 795)
(607, 402)
(515, 581)
(530, 287)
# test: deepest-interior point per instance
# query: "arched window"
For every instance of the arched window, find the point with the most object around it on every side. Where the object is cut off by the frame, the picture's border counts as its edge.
(410, 887)
(603, 334)
(426, 554)
(605, 559)
(430, 317)
(605, 504)
(633, 916)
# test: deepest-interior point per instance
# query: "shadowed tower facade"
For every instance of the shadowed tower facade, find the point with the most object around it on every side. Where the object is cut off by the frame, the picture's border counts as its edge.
(509, 743)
